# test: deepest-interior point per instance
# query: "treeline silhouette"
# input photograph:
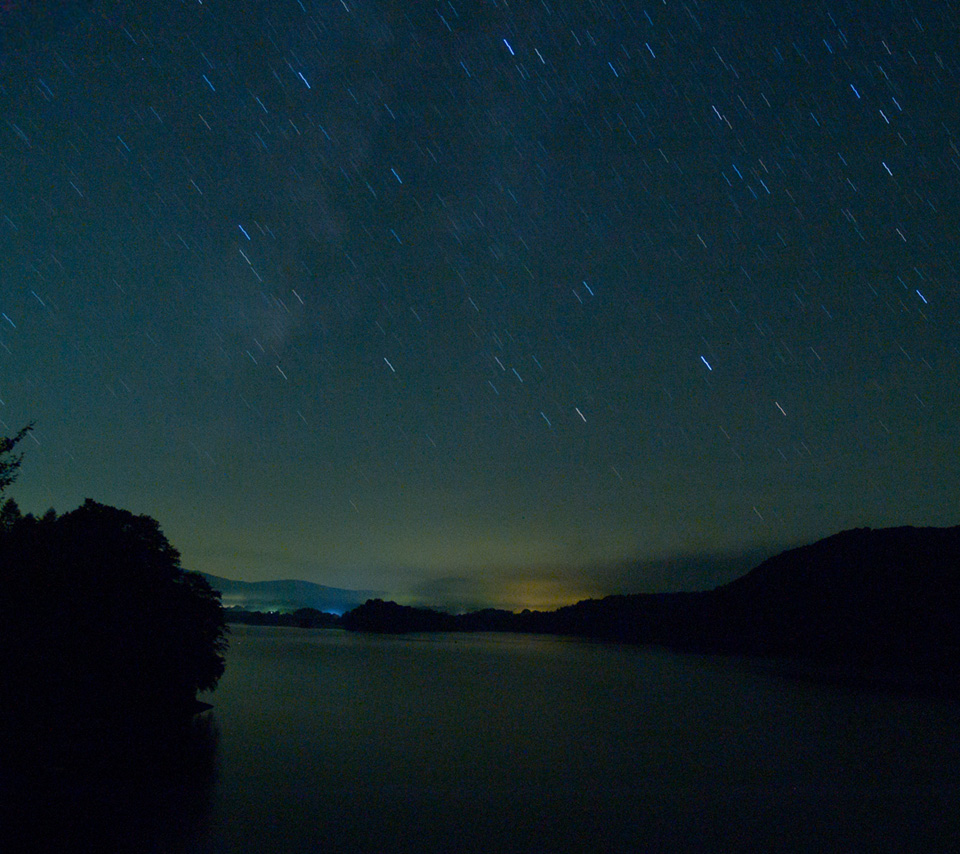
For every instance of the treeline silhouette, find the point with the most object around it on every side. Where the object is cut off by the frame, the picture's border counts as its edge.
(375, 615)
(103, 633)
(104, 639)
(864, 601)
(302, 618)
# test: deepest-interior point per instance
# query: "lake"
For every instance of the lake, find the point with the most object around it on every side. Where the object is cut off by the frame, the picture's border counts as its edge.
(343, 742)
(330, 741)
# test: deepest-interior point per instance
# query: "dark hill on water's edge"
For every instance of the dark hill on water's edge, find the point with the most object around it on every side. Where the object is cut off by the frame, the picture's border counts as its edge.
(879, 601)
(861, 596)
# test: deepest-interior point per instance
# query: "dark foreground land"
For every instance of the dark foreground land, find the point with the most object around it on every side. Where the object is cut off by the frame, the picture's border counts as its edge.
(105, 642)
(877, 606)
(108, 640)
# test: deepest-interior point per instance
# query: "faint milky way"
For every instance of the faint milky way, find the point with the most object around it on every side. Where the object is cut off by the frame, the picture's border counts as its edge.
(483, 301)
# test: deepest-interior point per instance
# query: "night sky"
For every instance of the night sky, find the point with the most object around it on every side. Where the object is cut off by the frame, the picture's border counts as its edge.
(483, 302)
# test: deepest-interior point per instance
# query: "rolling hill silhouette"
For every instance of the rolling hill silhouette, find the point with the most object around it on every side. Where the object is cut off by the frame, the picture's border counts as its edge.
(883, 601)
(289, 595)
(863, 595)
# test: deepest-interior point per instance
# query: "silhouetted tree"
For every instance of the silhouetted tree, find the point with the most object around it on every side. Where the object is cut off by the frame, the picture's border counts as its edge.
(375, 615)
(10, 462)
(101, 628)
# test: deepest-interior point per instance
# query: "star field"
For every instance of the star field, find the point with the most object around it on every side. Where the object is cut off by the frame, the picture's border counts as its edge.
(483, 302)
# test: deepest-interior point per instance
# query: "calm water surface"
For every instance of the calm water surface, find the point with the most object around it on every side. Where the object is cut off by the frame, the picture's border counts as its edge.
(340, 742)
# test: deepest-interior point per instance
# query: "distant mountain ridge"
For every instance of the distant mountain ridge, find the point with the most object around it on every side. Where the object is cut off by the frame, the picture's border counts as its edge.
(866, 601)
(286, 595)
(889, 596)
(876, 605)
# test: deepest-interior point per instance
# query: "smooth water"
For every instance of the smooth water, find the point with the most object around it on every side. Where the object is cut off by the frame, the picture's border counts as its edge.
(341, 742)
(324, 741)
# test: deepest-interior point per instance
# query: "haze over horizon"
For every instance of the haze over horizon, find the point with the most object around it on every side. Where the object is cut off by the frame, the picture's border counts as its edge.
(480, 303)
